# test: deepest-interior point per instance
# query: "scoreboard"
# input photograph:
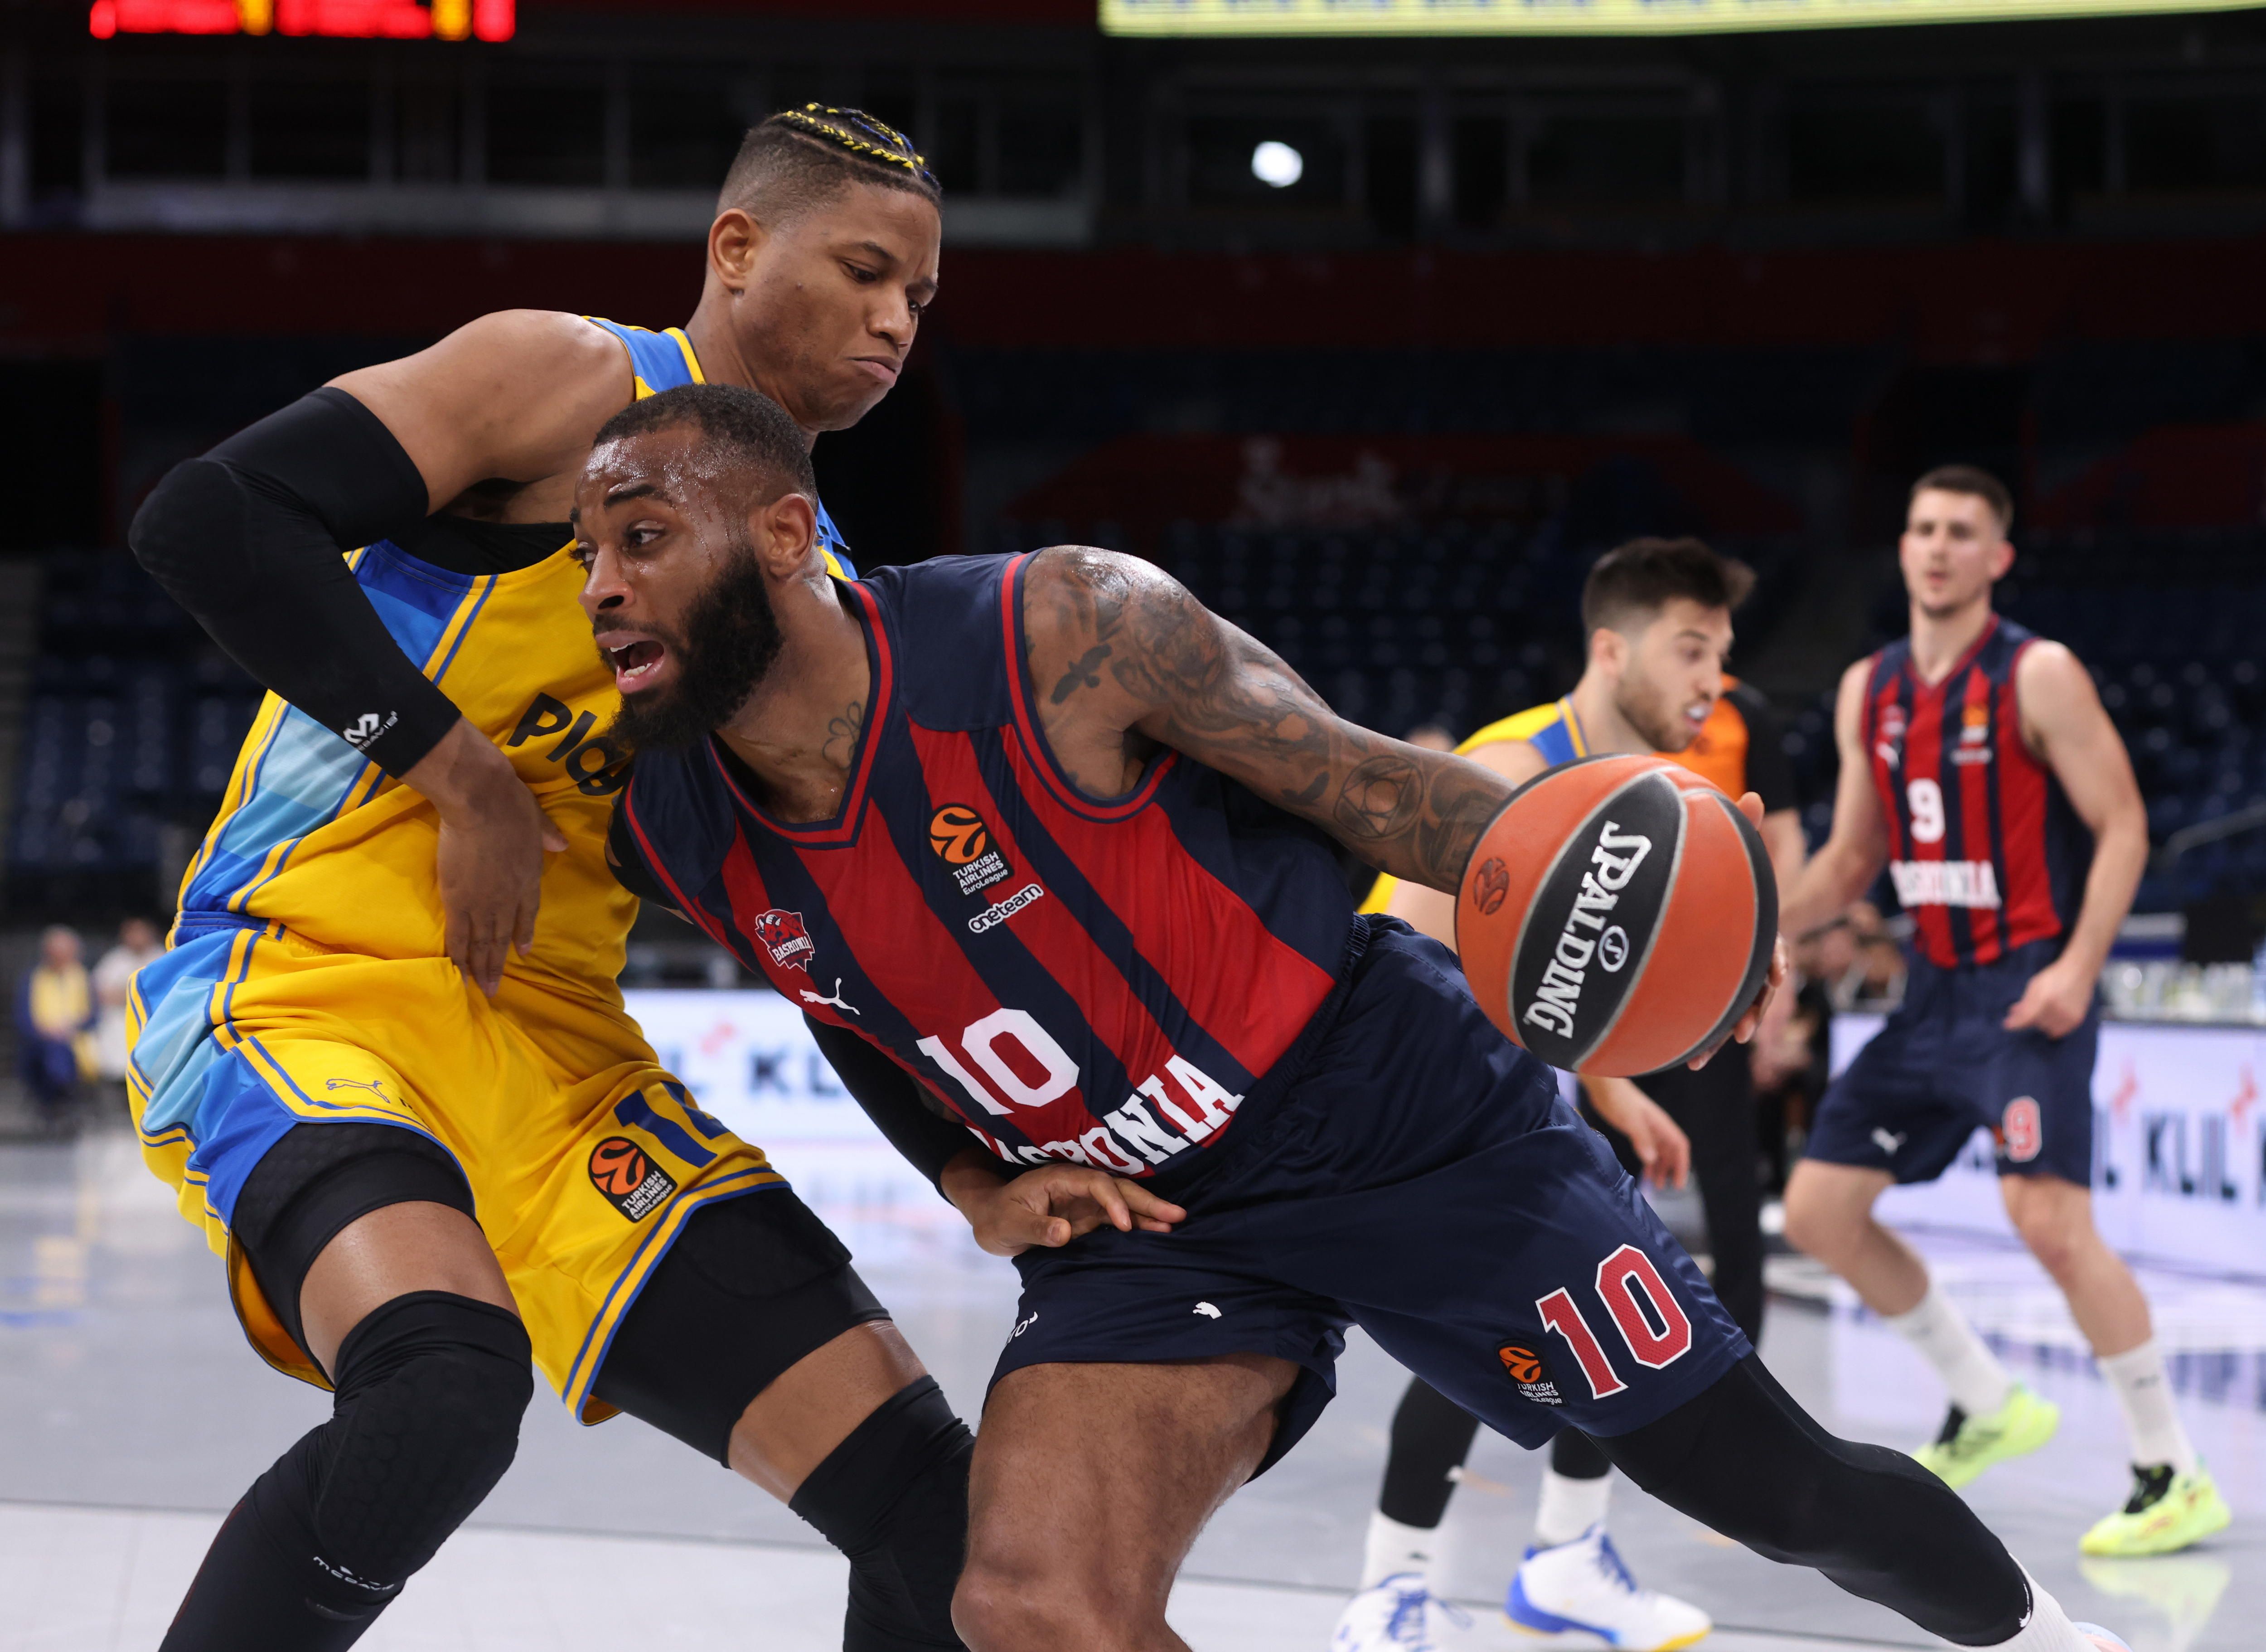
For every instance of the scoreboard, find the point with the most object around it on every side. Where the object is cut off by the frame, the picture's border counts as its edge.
(342, 20)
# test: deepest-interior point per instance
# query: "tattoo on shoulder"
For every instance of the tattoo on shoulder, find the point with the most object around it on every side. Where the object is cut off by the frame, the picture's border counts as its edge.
(842, 731)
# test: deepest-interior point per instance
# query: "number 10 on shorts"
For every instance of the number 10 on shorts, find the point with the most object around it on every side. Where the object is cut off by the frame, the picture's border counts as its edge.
(1650, 1320)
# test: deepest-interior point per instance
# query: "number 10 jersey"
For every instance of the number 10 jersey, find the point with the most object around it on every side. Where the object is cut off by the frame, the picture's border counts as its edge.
(1106, 980)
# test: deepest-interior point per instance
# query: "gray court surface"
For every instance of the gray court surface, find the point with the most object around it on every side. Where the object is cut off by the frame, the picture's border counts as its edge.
(132, 1414)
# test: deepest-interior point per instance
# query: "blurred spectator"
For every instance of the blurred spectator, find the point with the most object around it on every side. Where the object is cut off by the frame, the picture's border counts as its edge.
(138, 944)
(1432, 737)
(54, 1023)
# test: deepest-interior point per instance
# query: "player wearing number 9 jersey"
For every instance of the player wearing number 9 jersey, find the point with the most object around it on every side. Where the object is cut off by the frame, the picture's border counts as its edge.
(1978, 767)
(1140, 980)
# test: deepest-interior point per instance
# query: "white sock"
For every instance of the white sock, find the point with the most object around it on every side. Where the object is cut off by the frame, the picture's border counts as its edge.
(1979, 1383)
(1393, 1547)
(1567, 1508)
(2143, 1391)
(2048, 1629)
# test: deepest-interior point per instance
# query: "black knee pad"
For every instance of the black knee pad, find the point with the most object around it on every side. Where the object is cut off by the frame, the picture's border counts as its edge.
(894, 1498)
(1744, 1459)
(431, 1387)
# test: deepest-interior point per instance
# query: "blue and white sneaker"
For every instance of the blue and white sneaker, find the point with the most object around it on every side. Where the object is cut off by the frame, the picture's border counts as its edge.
(1585, 1588)
(2102, 1638)
(1393, 1615)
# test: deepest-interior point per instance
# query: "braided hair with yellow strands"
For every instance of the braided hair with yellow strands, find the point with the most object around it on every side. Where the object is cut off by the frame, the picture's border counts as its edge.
(801, 158)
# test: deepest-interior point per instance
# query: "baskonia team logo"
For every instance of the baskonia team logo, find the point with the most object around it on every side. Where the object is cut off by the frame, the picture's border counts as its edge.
(787, 938)
(963, 843)
(1527, 1371)
(1890, 748)
(625, 1173)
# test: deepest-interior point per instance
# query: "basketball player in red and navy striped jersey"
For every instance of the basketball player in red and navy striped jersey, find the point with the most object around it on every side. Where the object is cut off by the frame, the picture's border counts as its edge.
(1979, 768)
(1054, 841)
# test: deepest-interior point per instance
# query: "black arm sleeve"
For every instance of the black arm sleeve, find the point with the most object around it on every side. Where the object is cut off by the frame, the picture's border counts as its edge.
(893, 1100)
(250, 539)
(1768, 774)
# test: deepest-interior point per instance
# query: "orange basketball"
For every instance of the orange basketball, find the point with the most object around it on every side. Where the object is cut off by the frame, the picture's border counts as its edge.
(1617, 916)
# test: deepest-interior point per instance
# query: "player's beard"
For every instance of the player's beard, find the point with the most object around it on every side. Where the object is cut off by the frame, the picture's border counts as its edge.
(728, 644)
(1657, 715)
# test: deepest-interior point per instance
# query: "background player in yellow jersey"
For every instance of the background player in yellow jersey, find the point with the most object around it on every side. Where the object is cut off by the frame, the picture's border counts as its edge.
(1658, 614)
(385, 1059)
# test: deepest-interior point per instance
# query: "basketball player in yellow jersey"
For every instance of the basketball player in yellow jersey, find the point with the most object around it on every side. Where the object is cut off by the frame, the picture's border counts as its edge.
(1657, 615)
(385, 1060)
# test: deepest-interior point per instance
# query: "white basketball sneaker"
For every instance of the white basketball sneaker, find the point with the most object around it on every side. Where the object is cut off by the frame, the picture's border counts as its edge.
(1583, 1588)
(1393, 1615)
(2102, 1638)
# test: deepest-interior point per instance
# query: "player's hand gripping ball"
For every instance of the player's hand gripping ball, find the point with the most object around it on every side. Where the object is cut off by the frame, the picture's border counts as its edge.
(1617, 916)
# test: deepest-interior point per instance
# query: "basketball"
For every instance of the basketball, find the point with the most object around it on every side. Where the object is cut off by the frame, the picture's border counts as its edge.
(1617, 916)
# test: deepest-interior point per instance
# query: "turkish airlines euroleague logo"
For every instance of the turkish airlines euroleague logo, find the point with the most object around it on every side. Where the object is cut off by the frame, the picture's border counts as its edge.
(963, 843)
(958, 835)
(1524, 1368)
(625, 1173)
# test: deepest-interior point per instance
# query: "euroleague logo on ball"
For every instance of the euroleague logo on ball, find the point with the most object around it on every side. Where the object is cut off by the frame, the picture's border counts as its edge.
(625, 1173)
(1490, 885)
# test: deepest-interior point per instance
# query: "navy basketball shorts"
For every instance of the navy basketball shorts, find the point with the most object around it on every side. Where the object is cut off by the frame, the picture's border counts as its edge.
(1943, 1067)
(1419, 1177)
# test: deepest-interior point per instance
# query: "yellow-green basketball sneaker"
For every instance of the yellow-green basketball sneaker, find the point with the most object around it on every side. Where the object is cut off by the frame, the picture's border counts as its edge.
(2167, 1512)
(1968, 1445)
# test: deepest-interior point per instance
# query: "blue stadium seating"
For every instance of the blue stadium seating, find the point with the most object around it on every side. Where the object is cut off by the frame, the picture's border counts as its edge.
(130, 732)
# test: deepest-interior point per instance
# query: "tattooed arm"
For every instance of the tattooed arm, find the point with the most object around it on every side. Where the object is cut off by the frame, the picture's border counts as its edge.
(1124, 660)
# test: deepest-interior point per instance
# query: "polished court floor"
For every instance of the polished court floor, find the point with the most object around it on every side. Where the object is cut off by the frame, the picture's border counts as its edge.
(132, 1414)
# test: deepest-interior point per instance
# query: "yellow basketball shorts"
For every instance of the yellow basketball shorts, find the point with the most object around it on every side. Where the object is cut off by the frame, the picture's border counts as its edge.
(584, 1158)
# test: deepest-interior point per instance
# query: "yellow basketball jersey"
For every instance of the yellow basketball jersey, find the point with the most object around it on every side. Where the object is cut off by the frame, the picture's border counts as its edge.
(313, 838)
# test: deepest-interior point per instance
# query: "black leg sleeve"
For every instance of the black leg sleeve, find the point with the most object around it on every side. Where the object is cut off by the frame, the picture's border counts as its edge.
(1748, 1461)
(1431, 1437)
(1717, 1111)
(1715, 1106)
(1574, 1455)
(894, 1498)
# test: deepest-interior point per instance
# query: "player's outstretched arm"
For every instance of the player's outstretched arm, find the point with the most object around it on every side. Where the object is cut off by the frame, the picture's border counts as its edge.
(1124, 659)
(1858, 846)
(249, 539)
(2064, 723)
(1431, 911)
